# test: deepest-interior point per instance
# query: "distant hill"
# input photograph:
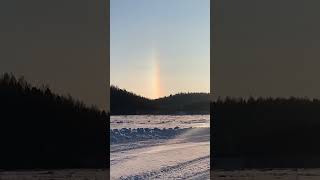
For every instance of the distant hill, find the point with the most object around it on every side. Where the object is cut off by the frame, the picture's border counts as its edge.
(127, 103)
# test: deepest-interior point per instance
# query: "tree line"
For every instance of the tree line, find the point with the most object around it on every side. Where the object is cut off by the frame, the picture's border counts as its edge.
(40, 129)
(266, 132)
(123, 102)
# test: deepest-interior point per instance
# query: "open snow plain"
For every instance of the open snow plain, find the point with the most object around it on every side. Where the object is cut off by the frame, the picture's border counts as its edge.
(160, 147)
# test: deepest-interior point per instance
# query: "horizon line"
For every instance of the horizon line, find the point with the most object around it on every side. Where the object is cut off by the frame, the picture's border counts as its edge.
(111, 85)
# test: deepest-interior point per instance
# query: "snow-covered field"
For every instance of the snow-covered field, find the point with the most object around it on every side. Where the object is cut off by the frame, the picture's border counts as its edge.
(267, 174)
(160, 147)
(159, 121)
(67, 174)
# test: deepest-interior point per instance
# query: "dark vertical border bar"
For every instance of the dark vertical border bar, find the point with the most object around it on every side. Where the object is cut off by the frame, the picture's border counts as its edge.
(107, 26)
(211, 85)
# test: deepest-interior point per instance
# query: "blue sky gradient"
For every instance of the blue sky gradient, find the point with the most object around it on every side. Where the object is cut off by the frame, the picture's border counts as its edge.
(160, 47)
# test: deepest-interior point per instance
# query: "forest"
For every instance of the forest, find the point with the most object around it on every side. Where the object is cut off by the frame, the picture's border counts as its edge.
(123, 102)
(42, 130)
(265, 132)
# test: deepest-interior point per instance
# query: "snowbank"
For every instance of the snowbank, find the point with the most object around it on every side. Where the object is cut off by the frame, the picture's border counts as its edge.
(126, 135)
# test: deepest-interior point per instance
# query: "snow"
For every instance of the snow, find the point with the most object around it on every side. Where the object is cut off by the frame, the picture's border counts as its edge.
(70, 174)
(267, 174)
(170, 147)
(125, 135)
(159, 121)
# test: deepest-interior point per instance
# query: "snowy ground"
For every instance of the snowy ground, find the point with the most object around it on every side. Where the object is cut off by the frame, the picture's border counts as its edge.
(267, 174)
(68, 174)
(159, 121)
(148, 151)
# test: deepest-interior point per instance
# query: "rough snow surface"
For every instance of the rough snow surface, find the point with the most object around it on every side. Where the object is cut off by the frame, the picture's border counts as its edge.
(267, 174)
(125, 135)
(159, 121)
(66, 174)
(174, 149)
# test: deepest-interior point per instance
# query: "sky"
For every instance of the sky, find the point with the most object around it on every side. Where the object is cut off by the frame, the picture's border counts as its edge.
(59, 43)
(160, 47)
(265, 48)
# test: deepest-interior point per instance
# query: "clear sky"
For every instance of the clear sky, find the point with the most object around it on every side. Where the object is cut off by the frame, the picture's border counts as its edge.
(160, 47)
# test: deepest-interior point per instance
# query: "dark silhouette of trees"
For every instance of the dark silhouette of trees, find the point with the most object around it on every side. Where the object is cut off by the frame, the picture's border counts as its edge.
(39, 129)
(126, 103)
(266, 132)
(190, 103)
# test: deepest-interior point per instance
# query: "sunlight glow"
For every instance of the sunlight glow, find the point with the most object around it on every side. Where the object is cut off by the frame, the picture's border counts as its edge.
(156, 75)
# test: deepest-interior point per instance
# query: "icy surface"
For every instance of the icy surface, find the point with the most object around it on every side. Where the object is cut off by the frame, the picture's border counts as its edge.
(166, 148)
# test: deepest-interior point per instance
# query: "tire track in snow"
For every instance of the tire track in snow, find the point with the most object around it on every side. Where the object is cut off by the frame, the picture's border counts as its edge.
(184, 170)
